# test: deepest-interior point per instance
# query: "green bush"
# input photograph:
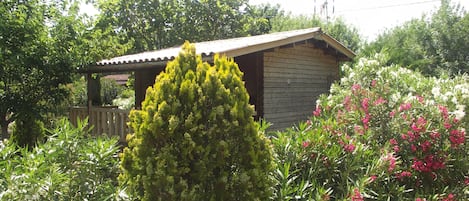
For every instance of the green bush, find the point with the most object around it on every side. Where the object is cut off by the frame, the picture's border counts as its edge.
(27, 131)
(70, 165)
(195, 137)
(383, 133)
(110, 90)
(78, 96)
(125, 100)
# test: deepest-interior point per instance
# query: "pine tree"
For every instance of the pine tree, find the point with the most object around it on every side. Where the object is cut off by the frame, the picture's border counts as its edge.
(195, 137)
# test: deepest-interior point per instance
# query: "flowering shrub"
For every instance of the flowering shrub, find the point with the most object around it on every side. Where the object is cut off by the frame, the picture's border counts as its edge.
(383, 133)
(69, 165)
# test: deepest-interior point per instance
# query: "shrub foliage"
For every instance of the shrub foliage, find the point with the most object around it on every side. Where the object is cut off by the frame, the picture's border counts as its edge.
(27, 131)
(195, 137)
(68, 166)
(383, 133)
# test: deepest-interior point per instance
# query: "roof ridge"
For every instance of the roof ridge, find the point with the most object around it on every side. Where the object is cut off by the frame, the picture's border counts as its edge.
(231, 47)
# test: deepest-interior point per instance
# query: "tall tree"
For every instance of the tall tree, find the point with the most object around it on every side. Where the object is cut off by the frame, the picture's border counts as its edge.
(261, 17)
(337, 28)
(30, 77)
(156, 24)
(433, 44)
(42, 42)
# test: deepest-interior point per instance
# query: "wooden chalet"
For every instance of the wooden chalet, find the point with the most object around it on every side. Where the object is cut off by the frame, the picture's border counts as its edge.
(284, 74)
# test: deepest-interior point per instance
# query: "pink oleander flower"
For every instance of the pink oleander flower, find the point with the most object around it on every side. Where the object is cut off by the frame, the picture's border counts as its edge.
(438, 164)
(404, 136)
(392, 164)
(391, 114)
(429, 164)
(357, 196)
(426, 145)
(392, 161)
(413, 136)
(435, 135)
(305, 144)
(443, 111)
(415, 128)
(372, 178)
(356, 87)
(349, 148)
(366, 121)
(413, 148)
(450, 197)
(403, 174)
(379, 101)
(406, 174)
(419, 166)
(420, 99)
(447, 125)
(396, 148)
(358, 129)
(421, 122)
(457, 137)
(365, 104)
(420, 199)
(419, 125)
(394, 142)
(404, 116)
(405, 106)
(317, 112)
(346, 102)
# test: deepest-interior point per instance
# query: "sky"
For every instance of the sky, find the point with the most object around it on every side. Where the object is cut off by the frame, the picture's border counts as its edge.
(370, 17)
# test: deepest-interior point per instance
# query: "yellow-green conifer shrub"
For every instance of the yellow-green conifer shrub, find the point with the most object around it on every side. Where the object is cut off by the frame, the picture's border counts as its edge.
(195, 137)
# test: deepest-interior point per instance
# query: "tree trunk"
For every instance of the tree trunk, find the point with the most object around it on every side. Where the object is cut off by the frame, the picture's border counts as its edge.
(4, 125)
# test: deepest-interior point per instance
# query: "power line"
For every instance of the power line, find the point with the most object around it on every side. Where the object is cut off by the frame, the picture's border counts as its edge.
(388, 6)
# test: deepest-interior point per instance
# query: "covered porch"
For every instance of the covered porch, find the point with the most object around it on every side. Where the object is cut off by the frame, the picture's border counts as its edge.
(283, 73)
(112, 121)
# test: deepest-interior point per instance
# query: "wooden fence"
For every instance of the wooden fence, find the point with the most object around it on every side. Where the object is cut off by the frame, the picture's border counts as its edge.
(109, 121)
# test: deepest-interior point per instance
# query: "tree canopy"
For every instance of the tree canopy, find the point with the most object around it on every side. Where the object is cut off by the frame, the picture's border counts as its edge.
(337, 28)
(31, 70)
(156, 24)
(434, 44)
(42, 43)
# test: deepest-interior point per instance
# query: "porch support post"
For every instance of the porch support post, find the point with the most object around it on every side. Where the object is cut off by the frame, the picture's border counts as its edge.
(93, 88)
(89, 102)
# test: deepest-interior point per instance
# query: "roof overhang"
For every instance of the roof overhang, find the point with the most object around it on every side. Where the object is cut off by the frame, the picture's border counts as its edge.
(229, 47)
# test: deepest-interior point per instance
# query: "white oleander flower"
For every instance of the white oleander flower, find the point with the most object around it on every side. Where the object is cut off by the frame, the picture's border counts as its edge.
(318, 102)
(459, 113)
(343, 80)
(454, 100)
(395, 97)
(436, 91)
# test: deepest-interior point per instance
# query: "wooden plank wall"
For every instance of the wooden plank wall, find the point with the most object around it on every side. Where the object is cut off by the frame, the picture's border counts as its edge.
(294, 77)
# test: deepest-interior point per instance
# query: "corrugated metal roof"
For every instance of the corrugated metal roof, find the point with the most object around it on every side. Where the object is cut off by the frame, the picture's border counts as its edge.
(230, 47)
